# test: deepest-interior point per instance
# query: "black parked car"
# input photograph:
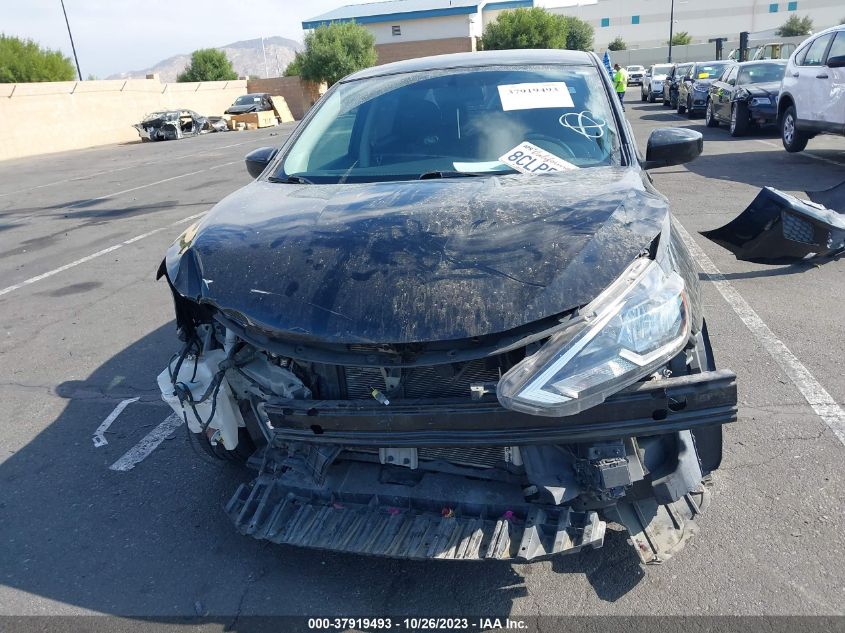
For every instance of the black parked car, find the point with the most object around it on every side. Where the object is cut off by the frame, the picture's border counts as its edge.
(253, 102)
(453, 318)
(692, 90)
(672, 83)
(746, 95)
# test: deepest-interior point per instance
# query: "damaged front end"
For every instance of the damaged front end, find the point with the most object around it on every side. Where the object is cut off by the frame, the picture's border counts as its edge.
(444, 450)
(780, 228)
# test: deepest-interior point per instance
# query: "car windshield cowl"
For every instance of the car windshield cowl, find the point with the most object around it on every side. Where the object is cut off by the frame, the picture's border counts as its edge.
(452, 123)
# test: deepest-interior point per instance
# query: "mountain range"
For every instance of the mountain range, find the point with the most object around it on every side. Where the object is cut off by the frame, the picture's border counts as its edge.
(247, 58)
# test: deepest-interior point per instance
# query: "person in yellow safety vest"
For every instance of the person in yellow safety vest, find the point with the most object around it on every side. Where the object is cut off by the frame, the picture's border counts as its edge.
(620, 82)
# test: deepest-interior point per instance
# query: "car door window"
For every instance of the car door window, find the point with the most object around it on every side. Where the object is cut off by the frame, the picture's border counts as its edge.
(815, 53)
(837, 49)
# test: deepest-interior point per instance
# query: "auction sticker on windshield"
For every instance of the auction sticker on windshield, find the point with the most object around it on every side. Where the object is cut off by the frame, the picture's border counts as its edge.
(549, 94)
(530, 159)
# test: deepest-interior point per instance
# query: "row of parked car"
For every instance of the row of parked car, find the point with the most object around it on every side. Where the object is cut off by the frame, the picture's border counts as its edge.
(803, 96)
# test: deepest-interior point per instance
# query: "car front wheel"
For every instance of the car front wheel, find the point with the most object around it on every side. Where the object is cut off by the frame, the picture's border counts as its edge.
(710, 116)
(681, 107)
(739, 119)
(793, 140)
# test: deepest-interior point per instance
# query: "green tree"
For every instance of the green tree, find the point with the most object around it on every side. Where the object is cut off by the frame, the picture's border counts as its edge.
(525, 28)
(579, 34)
(334, 51)
(208, 64)
(617, 44)
(295, 67)
(681, 39)
(795, 26)
(23, 61)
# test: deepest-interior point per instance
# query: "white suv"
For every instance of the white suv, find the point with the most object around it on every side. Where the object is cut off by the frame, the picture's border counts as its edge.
(812, 96)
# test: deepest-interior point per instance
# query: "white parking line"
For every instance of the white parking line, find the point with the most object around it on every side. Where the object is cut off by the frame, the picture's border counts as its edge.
(157, 161)
(99, 435)
(817, 396)
(807, 154)
(148, 444)
(105, 251)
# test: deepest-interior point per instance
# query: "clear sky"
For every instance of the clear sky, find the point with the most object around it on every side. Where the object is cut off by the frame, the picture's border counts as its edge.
(114, 36)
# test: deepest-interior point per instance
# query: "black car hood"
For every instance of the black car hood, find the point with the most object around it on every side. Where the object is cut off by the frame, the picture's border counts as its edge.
(242, 109)
(401, 262)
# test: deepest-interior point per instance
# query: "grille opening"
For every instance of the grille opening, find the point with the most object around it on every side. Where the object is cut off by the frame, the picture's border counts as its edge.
(433, 381)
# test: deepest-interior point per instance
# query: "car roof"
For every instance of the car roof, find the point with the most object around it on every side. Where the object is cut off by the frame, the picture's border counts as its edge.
(763, 61)
(716, 61)
(478, 60)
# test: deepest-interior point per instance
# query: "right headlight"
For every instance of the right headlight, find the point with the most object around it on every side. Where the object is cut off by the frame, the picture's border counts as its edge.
(635, 326)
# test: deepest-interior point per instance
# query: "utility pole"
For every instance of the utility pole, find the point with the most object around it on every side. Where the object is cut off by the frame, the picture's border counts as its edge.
(671, 27)
(266, 72)
(72, 47)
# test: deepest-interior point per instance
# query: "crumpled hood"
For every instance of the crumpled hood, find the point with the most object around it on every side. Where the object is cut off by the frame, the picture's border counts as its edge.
(417, 261)
(763, 90)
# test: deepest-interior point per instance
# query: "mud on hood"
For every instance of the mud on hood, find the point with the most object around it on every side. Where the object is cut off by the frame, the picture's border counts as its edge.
(416, 261)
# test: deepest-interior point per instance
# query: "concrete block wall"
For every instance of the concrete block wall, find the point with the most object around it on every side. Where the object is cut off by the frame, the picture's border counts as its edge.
(409, 50)
(42, 118)
(300, 95)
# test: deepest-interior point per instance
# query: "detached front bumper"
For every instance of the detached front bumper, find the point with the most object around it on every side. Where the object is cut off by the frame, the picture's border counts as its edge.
(650, 408)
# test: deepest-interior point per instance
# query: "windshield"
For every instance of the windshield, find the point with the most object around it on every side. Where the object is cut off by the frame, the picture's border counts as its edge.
(761, 73)
(247, 100)
(709, 71)
(636, 68)
(663, 69)
(456, 121)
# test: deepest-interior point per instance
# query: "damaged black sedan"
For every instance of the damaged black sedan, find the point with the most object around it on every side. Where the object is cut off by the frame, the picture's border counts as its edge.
(452, 319)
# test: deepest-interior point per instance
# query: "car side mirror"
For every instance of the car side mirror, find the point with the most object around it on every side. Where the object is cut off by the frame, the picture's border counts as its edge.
(836, 62)
(258, 159)
(669, 146)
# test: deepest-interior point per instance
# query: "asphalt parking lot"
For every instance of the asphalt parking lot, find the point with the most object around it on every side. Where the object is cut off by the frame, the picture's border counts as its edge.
(85, 327)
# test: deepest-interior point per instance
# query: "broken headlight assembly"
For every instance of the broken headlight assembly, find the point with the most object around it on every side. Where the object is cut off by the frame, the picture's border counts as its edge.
(633, 328)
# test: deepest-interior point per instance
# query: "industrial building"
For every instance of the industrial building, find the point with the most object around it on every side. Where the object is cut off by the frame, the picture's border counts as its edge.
(645, 23)
(405, 29)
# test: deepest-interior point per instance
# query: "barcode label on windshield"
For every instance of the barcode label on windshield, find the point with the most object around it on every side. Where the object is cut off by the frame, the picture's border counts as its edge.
(530, 159)
(549, 94)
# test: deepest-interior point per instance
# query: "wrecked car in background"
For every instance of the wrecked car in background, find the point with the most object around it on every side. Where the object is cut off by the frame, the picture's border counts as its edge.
(253, 102)
(172, 125)
(453, 319)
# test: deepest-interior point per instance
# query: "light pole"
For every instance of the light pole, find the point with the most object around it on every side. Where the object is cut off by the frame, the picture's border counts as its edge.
(671, 26)
(264, 52)
(72, 47)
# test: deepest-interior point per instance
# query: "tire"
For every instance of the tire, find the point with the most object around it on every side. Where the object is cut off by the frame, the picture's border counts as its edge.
(690, 112)
(793, 140)
(739, 119)
(643, 97)
(650, 96)
(710, 116)
(681, 107)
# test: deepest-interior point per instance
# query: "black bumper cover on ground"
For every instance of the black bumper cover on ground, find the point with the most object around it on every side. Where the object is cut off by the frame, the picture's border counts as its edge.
(778, 228)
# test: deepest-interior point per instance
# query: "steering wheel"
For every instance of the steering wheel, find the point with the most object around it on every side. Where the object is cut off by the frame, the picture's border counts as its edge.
(536, 136)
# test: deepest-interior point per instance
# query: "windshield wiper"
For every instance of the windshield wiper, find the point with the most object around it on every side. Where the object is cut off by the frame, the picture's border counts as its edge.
(292, 179)
(429, 175)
